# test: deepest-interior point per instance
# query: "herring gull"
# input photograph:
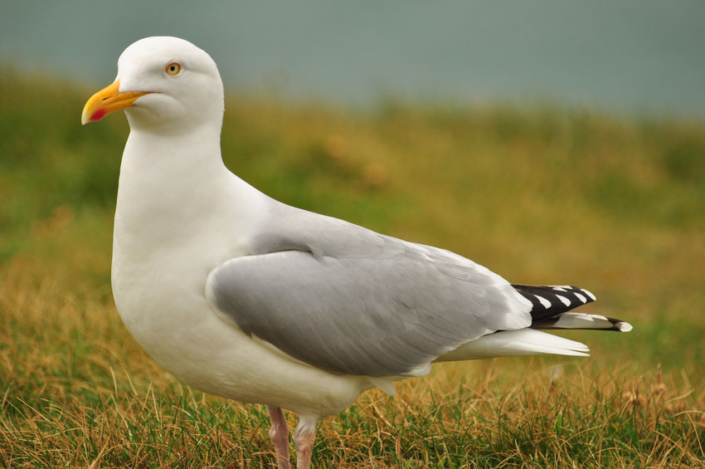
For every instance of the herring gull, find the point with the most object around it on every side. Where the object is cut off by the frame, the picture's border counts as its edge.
(244, 297)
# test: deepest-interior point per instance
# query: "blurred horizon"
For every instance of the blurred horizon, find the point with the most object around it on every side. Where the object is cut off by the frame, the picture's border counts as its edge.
(643, 58)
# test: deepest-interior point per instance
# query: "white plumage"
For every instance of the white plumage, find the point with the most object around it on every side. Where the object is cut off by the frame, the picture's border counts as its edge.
(246, 298)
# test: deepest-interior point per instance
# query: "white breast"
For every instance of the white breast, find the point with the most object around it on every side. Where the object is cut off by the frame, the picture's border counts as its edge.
(166, 242)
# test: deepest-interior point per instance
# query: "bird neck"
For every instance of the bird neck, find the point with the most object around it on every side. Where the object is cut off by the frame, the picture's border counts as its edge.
(171, 187)
(168, 171)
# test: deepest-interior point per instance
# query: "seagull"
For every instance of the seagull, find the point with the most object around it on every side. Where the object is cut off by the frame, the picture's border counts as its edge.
(244, 297)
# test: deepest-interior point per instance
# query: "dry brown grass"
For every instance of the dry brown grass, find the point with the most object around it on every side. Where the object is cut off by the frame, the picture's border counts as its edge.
(541, 196)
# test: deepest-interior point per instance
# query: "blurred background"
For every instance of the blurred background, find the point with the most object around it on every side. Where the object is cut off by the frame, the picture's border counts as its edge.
(635, 56)
(554, 142)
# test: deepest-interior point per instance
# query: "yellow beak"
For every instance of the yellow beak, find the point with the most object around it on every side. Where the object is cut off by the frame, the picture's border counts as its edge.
(107, 101)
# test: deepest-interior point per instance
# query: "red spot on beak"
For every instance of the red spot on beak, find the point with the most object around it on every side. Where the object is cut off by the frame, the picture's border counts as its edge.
(98, 115)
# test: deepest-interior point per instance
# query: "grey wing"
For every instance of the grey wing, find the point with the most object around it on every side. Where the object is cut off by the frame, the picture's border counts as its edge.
(351, 301)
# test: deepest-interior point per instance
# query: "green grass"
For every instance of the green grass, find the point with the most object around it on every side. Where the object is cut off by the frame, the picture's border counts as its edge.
(541, 196)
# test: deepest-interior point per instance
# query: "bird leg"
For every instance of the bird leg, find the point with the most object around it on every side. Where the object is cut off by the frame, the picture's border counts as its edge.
(304, 437)
(279, 433)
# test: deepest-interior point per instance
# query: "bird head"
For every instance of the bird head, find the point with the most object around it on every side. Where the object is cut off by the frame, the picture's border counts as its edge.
(162, 83)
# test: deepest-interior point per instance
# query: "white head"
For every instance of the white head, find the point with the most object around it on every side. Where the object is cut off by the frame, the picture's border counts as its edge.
(165, 84)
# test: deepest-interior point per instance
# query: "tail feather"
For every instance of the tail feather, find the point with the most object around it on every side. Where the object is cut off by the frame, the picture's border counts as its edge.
(516, 343)
(551, 307)
(574, 320)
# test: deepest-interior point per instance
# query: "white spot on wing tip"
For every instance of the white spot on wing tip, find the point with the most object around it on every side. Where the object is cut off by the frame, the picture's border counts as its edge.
(581, 297)
(564, 300)
(624, 326)
(559, 288)
(544, 302)
(588, 293)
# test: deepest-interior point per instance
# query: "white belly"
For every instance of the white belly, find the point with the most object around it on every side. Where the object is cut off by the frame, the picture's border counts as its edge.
(161, 299)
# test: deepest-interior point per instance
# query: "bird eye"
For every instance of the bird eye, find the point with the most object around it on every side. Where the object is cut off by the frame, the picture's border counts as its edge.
(173, 68)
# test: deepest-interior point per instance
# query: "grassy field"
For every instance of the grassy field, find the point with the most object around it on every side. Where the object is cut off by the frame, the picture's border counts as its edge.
(541, 196)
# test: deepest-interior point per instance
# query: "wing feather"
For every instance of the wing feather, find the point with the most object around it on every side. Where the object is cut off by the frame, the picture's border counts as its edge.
(351, 301)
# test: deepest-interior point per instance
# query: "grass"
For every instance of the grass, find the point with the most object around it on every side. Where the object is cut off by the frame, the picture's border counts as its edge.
(542, 196)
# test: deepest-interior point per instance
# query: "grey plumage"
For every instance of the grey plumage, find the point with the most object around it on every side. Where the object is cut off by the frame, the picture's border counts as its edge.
(351, 301)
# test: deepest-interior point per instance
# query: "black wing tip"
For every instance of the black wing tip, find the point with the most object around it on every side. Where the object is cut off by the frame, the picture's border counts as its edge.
(551, 300)
(552, 305)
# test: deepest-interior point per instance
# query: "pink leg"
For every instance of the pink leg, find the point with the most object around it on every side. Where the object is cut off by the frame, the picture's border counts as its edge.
(304, 437)
(279, 433)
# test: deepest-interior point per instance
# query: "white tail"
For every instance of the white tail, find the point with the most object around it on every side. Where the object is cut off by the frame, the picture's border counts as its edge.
(516, 343)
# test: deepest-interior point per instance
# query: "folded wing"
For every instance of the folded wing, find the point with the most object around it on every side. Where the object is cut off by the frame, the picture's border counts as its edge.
(351, 301)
